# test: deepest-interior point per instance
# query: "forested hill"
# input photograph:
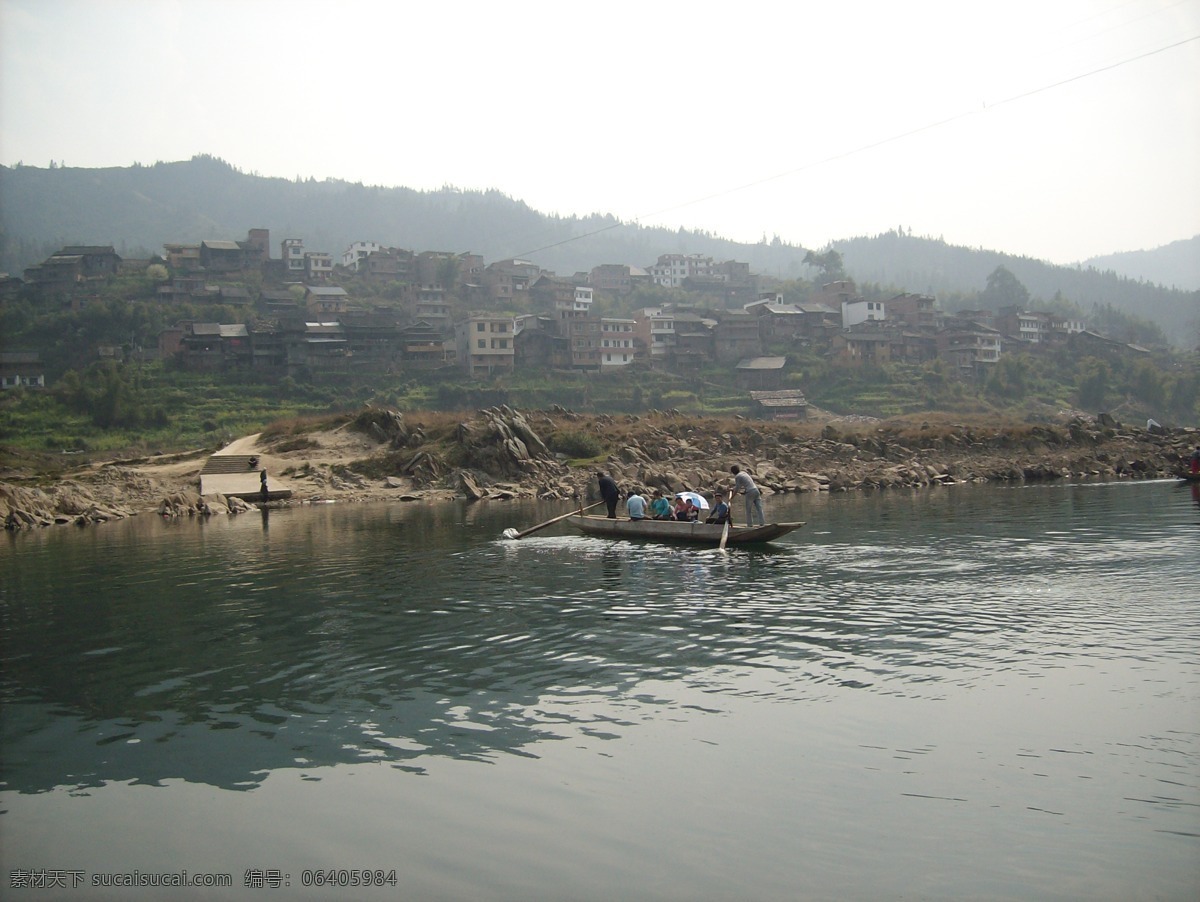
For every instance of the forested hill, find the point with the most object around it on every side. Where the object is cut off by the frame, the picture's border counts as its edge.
(139, 208)
(136, 209)
(933, 267)
(1176, 265)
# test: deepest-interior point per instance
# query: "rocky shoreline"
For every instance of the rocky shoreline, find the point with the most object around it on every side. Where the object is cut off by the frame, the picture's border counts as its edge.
(502, 454)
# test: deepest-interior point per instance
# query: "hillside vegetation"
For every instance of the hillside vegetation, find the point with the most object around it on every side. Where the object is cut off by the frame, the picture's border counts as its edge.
(142, 408)
(138, 208)
(136, 405)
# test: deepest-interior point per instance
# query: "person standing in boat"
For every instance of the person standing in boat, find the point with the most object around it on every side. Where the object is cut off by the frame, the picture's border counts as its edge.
(1196, 461)
(743, 484)
(609, 493)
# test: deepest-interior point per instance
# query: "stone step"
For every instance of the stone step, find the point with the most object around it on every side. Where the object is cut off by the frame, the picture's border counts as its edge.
(231, 463)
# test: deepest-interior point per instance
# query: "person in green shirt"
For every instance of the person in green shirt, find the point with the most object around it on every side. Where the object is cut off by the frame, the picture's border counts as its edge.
(660, 507)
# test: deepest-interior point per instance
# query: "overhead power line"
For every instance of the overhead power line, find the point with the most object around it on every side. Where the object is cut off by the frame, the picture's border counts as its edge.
(1025, 95)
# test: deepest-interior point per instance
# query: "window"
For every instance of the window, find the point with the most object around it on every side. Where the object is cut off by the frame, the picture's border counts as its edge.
(482, 344)
(479, 327)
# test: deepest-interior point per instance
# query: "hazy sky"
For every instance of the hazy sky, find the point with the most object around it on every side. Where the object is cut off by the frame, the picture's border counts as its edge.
(1058, 129)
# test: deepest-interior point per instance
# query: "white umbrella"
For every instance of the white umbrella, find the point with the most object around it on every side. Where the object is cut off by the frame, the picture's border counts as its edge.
(697, 499)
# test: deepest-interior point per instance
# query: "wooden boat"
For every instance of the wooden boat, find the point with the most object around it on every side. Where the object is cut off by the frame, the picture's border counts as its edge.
(696, 533)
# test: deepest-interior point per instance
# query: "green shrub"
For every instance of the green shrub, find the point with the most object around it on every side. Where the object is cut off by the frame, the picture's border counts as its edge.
(574, 444)
(672, 399)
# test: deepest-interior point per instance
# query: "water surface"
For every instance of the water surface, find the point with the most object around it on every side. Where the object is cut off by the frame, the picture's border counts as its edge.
(957, 693)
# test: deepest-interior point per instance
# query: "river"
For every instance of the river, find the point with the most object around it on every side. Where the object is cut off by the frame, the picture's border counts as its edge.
(956, 693)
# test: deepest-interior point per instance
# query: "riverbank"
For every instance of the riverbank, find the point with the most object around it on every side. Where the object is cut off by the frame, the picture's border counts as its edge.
(501, 454)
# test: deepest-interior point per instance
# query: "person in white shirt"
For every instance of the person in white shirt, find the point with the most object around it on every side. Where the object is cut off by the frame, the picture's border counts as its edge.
(635, 506)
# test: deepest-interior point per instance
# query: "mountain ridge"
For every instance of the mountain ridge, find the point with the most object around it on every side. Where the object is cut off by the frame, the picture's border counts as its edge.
(1174, 265)
(140, 207)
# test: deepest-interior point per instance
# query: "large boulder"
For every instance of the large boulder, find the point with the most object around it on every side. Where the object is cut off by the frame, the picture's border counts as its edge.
(503, 445)
(386, 426)
(183, 504)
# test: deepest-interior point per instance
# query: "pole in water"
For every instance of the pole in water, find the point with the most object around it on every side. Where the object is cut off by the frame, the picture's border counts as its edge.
(525, 532)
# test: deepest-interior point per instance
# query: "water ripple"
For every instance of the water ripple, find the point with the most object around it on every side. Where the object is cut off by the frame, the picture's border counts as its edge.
(307, 631)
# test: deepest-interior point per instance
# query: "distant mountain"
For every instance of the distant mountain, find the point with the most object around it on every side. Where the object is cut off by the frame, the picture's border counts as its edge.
(139, 208)
(930, 266)
(1175, 265)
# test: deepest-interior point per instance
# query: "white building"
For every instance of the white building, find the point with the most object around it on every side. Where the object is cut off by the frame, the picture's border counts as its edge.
(672, 269)
(617, 345)
(583, 299)
(293, 256)
(359, 251)
(861, 311)
(1070, 326)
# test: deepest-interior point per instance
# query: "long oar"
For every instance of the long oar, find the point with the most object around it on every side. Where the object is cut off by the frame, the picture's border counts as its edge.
(724, 536)
(534, 529)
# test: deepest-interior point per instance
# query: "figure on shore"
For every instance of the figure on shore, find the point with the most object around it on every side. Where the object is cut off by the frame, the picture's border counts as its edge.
(609, 493)
(262, 485)
(743, 484)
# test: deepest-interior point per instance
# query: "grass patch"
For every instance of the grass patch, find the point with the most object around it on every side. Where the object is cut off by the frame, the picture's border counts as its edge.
(300, 425)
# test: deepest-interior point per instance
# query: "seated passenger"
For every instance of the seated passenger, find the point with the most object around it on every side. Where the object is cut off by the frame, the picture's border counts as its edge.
(720, 511)
(635, 506)
(660, 507)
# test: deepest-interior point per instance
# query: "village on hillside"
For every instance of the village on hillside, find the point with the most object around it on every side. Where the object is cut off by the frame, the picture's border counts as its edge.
(454, 310)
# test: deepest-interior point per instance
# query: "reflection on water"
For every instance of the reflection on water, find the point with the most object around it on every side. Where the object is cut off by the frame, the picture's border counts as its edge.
(224, 652)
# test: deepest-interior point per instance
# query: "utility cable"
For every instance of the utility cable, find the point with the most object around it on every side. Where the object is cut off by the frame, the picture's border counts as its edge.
(1025, 95)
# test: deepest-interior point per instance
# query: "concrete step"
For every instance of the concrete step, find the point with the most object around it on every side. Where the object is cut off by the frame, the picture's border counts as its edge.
(231, 463)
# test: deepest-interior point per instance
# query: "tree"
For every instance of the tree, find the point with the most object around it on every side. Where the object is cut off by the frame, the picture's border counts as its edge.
(1004, 290)
(112, 398)
(1010, 377)
(447, 273)
(829, 263)
(1147, 385)
(1095, 377)
(1183, 397)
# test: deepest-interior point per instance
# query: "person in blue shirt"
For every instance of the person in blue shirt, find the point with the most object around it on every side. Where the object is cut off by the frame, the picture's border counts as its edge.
(635, 506)
(720, 511)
